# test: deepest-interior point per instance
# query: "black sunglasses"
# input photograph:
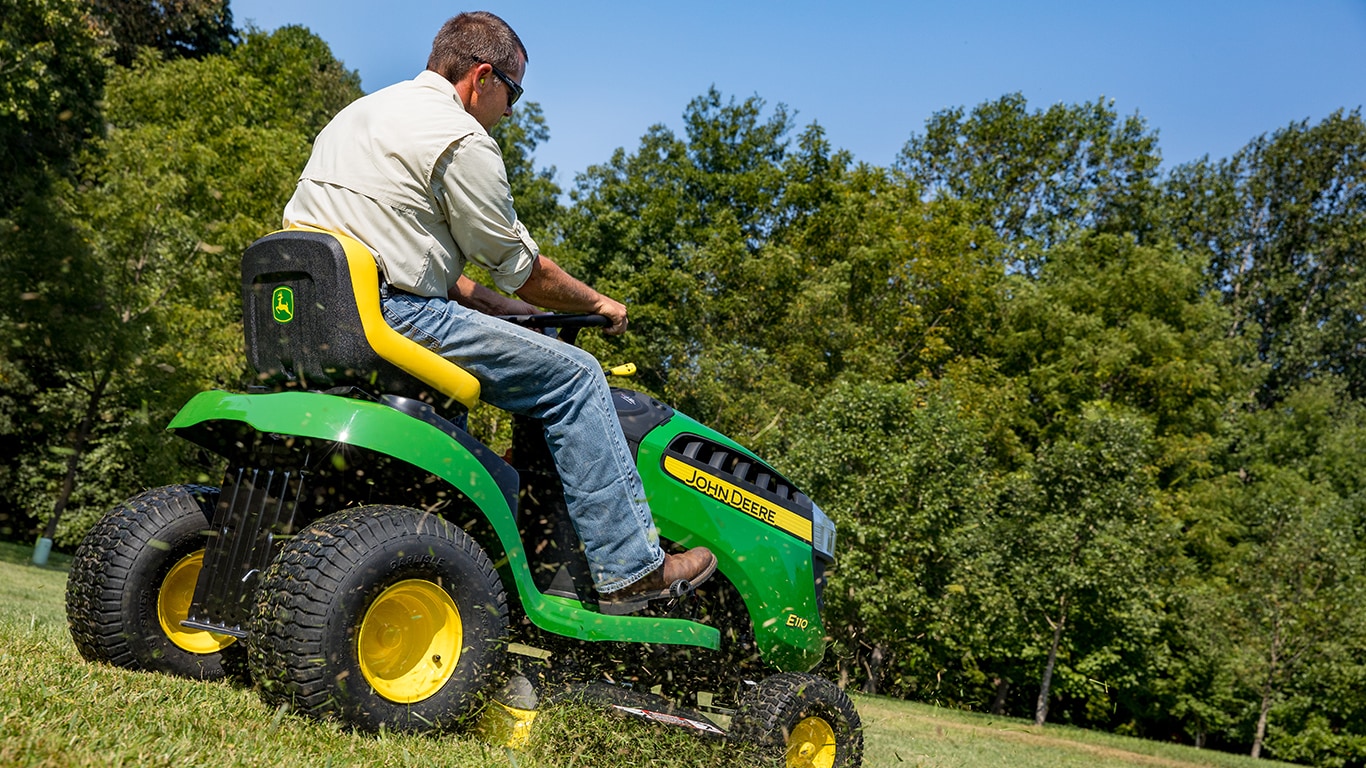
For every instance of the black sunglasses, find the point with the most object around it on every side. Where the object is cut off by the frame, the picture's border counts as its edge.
(514, 90)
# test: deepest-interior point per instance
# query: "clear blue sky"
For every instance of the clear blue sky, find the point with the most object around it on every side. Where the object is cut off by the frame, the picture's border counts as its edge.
(1209, 75)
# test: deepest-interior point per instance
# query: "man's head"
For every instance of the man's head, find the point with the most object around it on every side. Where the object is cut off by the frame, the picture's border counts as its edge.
(485, 60)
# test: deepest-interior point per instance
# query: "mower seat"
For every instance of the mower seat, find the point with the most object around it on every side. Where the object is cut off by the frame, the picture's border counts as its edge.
(311, 317)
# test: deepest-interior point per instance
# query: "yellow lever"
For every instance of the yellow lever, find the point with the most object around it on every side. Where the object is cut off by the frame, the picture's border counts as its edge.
(625, 369)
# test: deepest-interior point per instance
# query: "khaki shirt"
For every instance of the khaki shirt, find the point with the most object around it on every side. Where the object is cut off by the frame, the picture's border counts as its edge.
(416, 179)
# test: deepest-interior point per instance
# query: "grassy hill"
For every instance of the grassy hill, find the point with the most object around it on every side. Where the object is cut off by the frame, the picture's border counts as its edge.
(57, 710)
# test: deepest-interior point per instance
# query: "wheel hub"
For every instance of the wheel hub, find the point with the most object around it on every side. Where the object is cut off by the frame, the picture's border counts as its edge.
(409, 641)
(811, 743)
(173, 607)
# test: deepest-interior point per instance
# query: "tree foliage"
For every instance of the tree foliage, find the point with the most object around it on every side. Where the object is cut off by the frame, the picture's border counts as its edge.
(119, 268)
(1283, 223)
(176, 28)
(1038, 177)
(52, 82)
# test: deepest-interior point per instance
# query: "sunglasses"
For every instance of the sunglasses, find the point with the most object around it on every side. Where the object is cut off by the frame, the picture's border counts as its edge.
(514, 90)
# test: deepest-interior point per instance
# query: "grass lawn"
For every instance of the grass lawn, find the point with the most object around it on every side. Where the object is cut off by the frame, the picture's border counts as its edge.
(58, 710)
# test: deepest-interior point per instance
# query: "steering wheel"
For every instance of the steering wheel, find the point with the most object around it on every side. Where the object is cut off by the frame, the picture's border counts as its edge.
(569, 325)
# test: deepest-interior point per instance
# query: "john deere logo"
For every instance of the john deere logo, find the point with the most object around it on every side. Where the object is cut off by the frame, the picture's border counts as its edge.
(282, 304)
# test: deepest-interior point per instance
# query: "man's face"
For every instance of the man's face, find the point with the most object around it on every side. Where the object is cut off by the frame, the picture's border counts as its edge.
(495, 102)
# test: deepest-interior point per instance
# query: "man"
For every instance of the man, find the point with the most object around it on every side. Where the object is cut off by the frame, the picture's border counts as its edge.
(411, 172)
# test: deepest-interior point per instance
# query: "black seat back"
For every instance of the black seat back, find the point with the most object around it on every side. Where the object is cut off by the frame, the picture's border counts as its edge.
(300, 319)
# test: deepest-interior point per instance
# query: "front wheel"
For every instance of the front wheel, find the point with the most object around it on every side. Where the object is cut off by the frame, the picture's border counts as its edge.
(132, 581)
(380, 616)
(799, 720)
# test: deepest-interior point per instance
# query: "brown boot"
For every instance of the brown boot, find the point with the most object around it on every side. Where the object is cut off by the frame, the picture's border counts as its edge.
(676, 577)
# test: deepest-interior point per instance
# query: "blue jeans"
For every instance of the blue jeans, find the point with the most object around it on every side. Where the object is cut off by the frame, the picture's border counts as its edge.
(532, 374)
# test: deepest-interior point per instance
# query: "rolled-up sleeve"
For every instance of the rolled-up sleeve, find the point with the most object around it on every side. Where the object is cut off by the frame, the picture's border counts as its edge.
(470, 182)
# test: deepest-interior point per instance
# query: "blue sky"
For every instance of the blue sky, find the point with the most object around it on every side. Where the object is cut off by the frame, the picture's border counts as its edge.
(1208, 75)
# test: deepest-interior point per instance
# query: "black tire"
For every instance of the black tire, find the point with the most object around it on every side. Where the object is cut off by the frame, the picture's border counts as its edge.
(800, 720)
(359, 617)
(131, 582)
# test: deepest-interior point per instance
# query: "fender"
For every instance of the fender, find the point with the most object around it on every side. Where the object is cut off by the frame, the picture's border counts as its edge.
(385, 430)
(774, 574)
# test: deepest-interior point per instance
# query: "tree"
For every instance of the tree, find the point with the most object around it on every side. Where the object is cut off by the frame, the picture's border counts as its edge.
(1040, 177)
(1112, 320)
(53, 78)
(199, 160)
(177, 28)
(1084, 549)
(673, 230)
(1283, 225)
(905, 474)
(305, 83)
(1286, 585)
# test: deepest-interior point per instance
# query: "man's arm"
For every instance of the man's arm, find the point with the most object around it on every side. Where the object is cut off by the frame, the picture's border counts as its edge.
(481, 298)
(551, 287)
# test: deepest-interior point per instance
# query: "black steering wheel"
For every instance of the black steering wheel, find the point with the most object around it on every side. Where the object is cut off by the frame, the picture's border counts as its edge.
(569, 325)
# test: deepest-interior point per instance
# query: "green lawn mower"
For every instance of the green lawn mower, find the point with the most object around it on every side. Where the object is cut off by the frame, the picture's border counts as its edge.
(366, 559)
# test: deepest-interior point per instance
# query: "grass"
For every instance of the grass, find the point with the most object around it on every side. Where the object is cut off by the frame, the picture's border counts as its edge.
(58, 710)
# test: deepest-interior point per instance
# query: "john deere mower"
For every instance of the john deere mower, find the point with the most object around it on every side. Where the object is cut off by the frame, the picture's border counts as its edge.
(365, 559)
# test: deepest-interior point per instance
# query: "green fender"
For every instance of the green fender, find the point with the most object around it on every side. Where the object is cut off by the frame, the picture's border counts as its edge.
(379, 428)
(773, 572)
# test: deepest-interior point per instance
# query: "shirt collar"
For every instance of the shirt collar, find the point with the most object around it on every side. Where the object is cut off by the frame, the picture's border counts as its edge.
(435, 80)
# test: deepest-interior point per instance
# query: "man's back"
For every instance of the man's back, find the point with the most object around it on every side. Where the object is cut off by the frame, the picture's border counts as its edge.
(384, 172)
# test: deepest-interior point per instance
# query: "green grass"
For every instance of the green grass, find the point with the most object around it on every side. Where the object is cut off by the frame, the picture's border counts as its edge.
(58, 710)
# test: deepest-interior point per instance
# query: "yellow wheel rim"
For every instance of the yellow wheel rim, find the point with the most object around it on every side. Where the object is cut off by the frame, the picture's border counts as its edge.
(173, 607)
(812, 743)
(409, 641)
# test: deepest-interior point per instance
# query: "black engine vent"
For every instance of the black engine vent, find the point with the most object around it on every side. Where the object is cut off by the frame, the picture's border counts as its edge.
(742, 469)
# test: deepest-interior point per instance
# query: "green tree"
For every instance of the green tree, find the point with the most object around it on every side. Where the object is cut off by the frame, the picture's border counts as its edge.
(53, 78)
(673, 230)
(1284, 580)
(304, 82)
(143, 309)
(904, 472)
(1083, 552)
(1039, 177)
(1112, 320)
(1283, 225)
(178, 28)
(759, 272)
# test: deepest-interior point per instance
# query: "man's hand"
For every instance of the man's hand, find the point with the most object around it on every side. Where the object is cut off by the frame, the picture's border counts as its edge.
(616, 312)
(551, 287)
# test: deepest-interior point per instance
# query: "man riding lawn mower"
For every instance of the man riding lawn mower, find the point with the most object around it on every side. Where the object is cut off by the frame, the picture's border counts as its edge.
(366, 558)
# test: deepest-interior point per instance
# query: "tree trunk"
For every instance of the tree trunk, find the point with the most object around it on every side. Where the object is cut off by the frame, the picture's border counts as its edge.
(1268, 688)
(1041, 706)
(73, 460)
(874, 667)
(1261, 724)
(998, 704)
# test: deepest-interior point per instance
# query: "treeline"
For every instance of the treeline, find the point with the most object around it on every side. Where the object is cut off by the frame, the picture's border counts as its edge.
(1090, 428)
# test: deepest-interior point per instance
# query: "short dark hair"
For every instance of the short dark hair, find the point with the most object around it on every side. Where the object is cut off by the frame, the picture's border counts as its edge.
(470, 38)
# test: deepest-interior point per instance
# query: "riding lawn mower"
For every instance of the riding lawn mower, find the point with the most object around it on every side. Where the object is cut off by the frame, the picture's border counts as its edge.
(366, 559)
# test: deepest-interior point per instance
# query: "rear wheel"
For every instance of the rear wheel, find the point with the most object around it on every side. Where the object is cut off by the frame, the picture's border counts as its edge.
(381, 616)
(132, 581)
(801, 720)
